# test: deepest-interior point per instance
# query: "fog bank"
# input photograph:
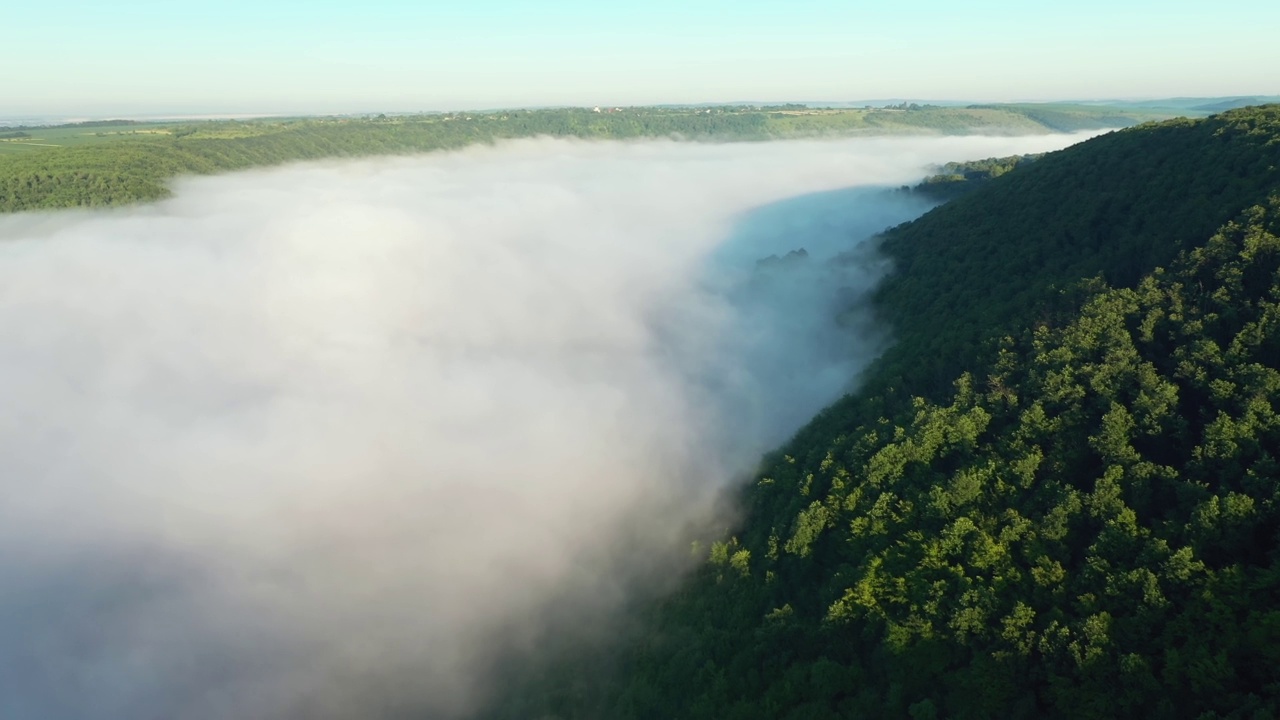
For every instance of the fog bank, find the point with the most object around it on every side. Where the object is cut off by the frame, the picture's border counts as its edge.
(299, 442)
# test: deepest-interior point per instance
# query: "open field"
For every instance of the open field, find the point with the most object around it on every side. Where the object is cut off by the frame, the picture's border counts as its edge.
(74, 135)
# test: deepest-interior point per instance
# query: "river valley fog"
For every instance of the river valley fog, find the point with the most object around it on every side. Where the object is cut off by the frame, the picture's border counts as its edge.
(332, 439)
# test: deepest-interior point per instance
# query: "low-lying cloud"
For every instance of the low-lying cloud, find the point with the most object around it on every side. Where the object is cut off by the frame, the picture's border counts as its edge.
(300, 442)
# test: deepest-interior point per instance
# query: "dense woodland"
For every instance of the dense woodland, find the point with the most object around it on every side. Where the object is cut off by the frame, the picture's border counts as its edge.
(105, 167)
(1056, 496)
(961, 178)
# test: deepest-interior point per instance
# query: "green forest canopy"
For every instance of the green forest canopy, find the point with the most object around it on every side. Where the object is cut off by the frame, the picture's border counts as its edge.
(1057, 496)
(114, 162)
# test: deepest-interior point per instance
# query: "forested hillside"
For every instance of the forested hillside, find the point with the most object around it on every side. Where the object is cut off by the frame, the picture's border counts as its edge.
(1057, 496)
(97, 164)
(955, 179)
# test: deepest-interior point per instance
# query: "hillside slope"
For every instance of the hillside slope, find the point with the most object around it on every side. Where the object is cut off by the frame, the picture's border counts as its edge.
(101, 165)
(1057, 496)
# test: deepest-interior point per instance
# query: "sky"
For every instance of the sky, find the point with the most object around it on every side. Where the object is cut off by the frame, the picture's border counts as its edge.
(268, 56)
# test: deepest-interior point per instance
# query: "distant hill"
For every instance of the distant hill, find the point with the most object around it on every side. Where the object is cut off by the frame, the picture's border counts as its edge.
(1057, 496)
(116, 162)
(1233, 103)
(1192, 104)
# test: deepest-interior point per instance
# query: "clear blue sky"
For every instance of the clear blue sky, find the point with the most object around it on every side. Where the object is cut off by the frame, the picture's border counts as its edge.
(95, 57)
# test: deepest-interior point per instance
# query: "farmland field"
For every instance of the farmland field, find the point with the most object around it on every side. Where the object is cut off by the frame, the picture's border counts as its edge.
(34, 139)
